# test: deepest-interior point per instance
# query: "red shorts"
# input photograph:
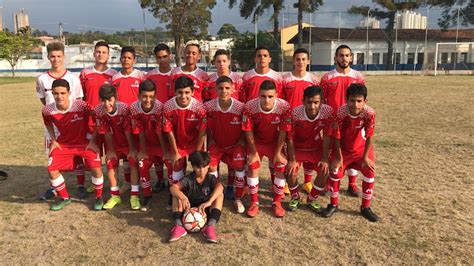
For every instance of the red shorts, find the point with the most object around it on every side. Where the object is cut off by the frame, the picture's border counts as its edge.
(311, 157)
(353, 160)
(234, 156)
(63, 160)
(154, 151)
(122, 154)
(267, 150)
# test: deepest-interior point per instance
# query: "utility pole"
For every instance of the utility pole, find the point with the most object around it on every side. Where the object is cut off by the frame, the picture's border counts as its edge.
(144, 33)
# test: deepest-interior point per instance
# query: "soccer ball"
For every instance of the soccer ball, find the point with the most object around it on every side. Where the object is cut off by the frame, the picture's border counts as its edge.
(194, 220)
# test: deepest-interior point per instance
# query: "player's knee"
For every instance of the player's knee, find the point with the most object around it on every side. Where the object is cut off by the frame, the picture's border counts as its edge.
(54, 174)
(96, 172)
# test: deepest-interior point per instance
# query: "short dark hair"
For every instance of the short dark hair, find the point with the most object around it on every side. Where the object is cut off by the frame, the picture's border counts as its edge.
(223, 79)
(313, 91)
(199, 159)
(356, 89)
(183, 82)
(101, 43)
(128, 49)
(342, 46)
(146, 85)
(161, 47)
(55, 46)
(262, 48)
(60, 83)
(267, 85)
(192, 44)
(221, 52)
(107, 91)
(301, 51)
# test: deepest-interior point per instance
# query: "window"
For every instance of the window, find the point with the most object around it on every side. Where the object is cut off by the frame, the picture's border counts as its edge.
(384, 58)
(463, 58)
(360, 59)
(411, 58)
(444, 58)
(375, 58)
(397, 58)
(431, 57)
(421, 58)
(454, 58)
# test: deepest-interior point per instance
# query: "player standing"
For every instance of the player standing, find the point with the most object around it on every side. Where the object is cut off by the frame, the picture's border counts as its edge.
(222, 62)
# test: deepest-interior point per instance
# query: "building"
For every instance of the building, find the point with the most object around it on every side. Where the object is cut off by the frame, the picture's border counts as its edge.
(410, 20)
(1, 18)
(371, 23)
(20, 20)
(287, 48)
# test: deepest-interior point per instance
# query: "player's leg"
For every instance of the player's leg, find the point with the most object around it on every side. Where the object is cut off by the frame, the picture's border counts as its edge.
(60, 159)
(316, 190)
(209, 232)
(229, 188)
(112, 170)
(352, 188)
(278, 190)
(292, 181)
(126, 175)
(308, 168)
(334, 182)
(144, 166)
(159, 170)
(92, 161)
(237, 164)
(253, 185)
(135, 185)
(50, 192)
(79, 170)
(367, 191)
(178, 229)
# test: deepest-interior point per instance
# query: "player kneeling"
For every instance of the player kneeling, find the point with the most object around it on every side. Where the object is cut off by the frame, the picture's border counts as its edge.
(354, 149)
(113, 121)
(308, 142)
(198, 189)
(70, 118)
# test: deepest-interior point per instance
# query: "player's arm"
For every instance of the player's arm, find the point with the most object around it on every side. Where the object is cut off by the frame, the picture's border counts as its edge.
(218, 190)
(109, 144)
(292, 166)
(175, 156)
(202, 130)
(324, 162)
(92, 142)
(163, 144)
(278, 157)
(366, 161)
(54, 143)
(132, 150)
(337, 163)
(201, 140)
(142, 154)
(43, 101)
(176, 192)
(253, 155)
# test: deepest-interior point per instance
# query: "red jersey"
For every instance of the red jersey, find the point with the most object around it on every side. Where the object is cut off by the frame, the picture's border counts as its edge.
(251, 84)
(293, 87)
(211, 91)
(91, 80)
(185, 123)
(127, 86)
(147, 122)
(163, 84)
(116, 124)
(265, 125)
(335, 84)
(307, 134)
(199, 77)
(71, 124)
(353, 130)
(225, 127)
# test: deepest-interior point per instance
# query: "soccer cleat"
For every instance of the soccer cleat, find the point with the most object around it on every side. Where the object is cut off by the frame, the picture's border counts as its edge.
(59, 205)
(252, 210)
(229, 193)
(146, 204)
(353, 191)
(81, 192)
(293, 204)
(110, 204)
(287, 189)
(329, 211)
(369, 214)
(278, 210)
(51, 192)
(209, 232)
(159, 186)
(99, 204)
(125, 187)
(239, 206)
(313, 205)
(134, 202)
(307, 187)
(177, 232)
(91, 189)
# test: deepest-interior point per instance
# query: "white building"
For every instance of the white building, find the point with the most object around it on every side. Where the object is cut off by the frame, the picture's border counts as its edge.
(371, 23)
(20, 20)
(410, 20)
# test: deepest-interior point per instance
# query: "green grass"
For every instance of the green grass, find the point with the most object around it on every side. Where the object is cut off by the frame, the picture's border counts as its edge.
(10, 80)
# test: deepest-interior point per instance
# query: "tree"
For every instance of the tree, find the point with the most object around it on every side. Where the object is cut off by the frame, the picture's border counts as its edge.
(449, 16)
(15, 46)
(243, 49)
(227, 30)
(308, 6)
(185, 19)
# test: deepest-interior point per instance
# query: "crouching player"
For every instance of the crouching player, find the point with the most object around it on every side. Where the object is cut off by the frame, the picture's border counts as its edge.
(308, 142)
(198, 189)
(113, 121)
(70, 118)
(225, 138)
(354, 149)
(265, 125)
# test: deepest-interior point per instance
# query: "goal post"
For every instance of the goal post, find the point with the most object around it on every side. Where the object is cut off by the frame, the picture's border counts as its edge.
(454, 56)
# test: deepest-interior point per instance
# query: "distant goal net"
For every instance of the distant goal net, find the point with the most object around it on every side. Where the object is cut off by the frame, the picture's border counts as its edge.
(453, 57)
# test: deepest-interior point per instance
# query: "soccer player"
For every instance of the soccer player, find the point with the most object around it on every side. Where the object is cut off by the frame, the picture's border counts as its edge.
(335, 84)
(308, 141)
(222, 62)
(146, 116)
(265, 125)
(113, 122)
(198, 189)
(45, 94)
(184, 124)
(225, 138)
(354, 148)
(192, 53)
(253, 78)
(70, 118)
(294, 84)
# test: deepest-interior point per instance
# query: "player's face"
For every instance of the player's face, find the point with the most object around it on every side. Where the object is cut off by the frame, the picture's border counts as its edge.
(192, 55)
(184, 96)
(225, 90)
(356, 104)
(61, 96)
(343, 58)
(201, 172)
(300, 61)
(101, 55)
(109, 104)
(222, 63)
(312, 105)
(163, 58)
(56, 58)
(147, 98)
(267, 99)
(262, 59)
(127, 60)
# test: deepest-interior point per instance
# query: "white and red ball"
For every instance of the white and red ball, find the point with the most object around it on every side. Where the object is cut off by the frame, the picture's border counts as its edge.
(194, 220)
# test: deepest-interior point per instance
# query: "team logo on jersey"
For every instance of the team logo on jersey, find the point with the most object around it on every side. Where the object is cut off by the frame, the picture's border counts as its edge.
(361, 124)
(50, 161)
(290, 88)
(192, 118)
(136, 84)
(90, 78)
(332, 83)
(206, 191)
(76, 118)
(251, 83)
(235, 121)
(276, 120)
(244, 119)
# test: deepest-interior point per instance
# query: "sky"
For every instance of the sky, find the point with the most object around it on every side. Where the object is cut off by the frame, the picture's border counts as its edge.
(120, 15)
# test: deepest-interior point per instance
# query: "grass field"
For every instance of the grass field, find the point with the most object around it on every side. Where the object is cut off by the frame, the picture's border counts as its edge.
(423, 193)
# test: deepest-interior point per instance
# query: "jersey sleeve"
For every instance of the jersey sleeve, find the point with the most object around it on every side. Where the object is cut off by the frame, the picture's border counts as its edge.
(167, 124)
(78, 89)
(370, 125)
(40, 89)
(137, 126)
(82, 79)
(203, 118)
(185, 185)
(159, 122)
(46, 118)
(247, 120)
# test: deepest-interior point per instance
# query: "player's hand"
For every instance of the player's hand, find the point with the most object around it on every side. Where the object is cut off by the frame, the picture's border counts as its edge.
(185, 201)
(279, 158)
(54, 145)
(175, 157)
(141, 156)
(253, 157)
(291, 168)
(368, 163)
(336, 164)
(110, 155)
(204, 206)
(324, 166)
(132, 154)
